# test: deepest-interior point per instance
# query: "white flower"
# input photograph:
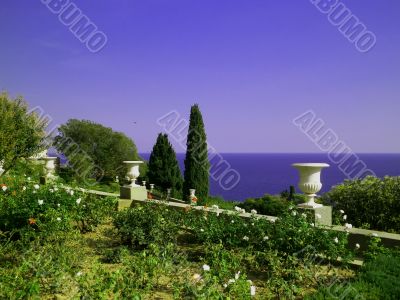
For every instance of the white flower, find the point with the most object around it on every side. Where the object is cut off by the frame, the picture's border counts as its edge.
(318, 216)
(294, 213)
(36, 186)
(78, 274)
(24, 188)
(51, 190)
(225, 285)
(71, 193)
(206, 267)
(252, 290)
(4, 188)
(253, 211)
(29, 179)
(231, 281)
(232, 221)
(237, 275)
(55, 188)
(348, 226)
(58, 219)
(58, 204)
(265, 238)
(341, 211)
(40, 202)
(78, 200)
(291, 207)
(202, 230)
(336, 240)
(374, 234)
(345, 217)
(312, 224)
(304, 215)
(252, 224)
(245, 238)
(358, 246)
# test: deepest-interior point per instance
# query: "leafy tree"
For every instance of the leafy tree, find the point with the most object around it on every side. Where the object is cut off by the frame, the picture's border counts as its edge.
(93, 150)
(22, 133)
(197, 165)
(163, 168)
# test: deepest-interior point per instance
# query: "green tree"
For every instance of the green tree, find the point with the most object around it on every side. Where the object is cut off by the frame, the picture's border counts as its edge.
(197, 165)
(163, 168)
(93, 150)
(22, 133)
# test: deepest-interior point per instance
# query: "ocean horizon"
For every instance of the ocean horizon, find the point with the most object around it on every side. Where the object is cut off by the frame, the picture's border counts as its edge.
(272, 173)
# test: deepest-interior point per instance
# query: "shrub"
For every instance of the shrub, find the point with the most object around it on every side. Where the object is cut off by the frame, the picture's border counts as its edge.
(266, 205)
(370, 202)
(142, 225)
(49, 208)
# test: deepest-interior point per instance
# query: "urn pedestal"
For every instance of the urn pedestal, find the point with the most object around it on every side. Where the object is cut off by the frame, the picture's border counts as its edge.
(132, 191)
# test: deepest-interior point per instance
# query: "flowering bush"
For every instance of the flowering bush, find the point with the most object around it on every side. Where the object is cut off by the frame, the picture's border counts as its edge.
(50, 208)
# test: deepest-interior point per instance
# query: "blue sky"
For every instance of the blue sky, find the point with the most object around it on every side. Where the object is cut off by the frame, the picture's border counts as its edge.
(253, 66)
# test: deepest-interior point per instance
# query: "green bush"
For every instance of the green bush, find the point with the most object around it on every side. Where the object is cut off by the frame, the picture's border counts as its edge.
(142, 225)
(266, 205)
(370, 202)
(49, 208)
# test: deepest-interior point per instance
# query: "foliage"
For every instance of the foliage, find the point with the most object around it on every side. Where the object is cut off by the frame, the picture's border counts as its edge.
(267, 205)
(197, 165)
(378, 279)
(143, 225)
(47, 208)
(95, 150)
(370, 202)
(163, 168)
(22, 133)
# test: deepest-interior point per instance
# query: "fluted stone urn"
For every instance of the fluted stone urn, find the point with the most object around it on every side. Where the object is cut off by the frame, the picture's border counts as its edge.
(310, 181)
(133, 171)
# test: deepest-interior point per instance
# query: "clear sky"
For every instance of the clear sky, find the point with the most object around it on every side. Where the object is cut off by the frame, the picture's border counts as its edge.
(252, 65)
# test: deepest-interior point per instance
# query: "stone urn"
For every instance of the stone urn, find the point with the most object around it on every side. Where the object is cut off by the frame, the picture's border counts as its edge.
(192, 197)
(169, 193)
(49, 166)
(133, 171)
(151, 187)
(144, 183)
(1, 168)
(310, 181)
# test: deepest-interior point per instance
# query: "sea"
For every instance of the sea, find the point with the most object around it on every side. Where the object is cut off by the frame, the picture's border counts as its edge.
(261, 173)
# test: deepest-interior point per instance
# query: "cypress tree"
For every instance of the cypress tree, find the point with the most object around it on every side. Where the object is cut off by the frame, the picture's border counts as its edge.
(197, 165)
(163, 168)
